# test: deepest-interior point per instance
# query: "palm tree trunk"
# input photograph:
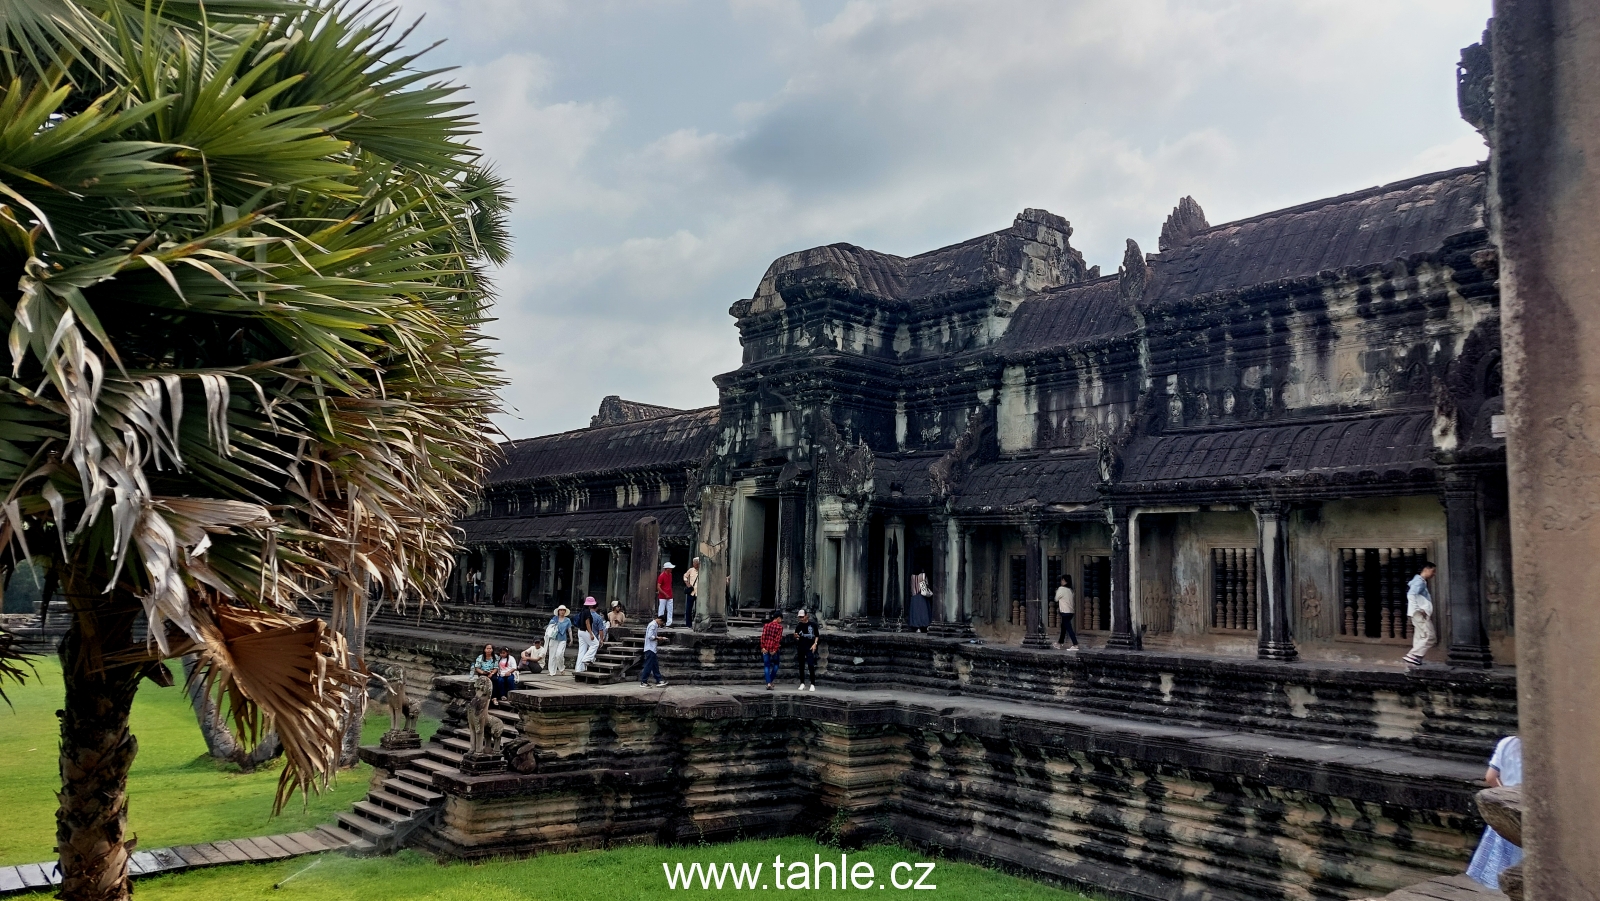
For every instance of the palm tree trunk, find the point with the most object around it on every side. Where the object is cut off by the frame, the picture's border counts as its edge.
(97, 749)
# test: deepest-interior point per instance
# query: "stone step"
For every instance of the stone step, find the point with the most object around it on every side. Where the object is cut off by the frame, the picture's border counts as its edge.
(422, 779)
(377, 813)
(405, 788)
(363, 828)
(340, 837)
(399, 803)
(434, 766)
(443, 755)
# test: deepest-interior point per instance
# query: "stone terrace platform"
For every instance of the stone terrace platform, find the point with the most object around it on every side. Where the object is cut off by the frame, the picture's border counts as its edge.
(1140, 808)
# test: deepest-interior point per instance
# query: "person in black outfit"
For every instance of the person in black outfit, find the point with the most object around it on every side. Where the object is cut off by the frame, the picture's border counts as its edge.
(808, 643)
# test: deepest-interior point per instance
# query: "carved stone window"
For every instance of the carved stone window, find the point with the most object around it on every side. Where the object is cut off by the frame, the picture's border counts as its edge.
(1373, 589)
(1233, 589)
(1094, 601)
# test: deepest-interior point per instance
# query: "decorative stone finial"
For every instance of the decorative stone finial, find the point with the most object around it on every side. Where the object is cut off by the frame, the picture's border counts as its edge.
(1186, 221)
(1134, 275)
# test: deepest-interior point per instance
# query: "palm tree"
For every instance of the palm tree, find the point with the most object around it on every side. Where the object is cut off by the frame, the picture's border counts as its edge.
(245, 359)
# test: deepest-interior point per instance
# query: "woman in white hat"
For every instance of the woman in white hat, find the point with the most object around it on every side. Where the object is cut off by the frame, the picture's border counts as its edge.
(555, 641)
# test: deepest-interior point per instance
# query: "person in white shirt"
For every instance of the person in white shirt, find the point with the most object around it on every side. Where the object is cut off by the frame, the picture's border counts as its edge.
(1495, 853)
(691, 582)
(1064, 610)
(1419, 606)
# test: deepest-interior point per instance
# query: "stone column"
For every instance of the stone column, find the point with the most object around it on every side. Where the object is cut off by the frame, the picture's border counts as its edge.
(547, 576)
(853, 569)
(713, 544)
(580, 575)
(1469, 639)
(894, 573)
(488, 598)
(644, 558)
(1123, 635)
(458, 580)
(963, 617)
(515, 582)
(939, 571)
(1033, 607)
(1272, 582)
(791, 546)
(1545, 176)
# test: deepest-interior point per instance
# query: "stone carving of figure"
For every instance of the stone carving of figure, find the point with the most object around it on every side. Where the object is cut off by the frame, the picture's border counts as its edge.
(484, 726)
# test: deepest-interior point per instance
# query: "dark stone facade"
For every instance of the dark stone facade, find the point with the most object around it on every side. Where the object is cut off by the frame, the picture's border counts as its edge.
(1240, 445)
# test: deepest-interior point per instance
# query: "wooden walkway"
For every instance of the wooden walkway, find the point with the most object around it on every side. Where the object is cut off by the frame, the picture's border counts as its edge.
(1445, 888)
(33, 876)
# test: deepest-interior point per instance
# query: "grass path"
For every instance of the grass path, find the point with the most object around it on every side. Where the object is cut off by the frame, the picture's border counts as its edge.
(622, 873)
(176, 794)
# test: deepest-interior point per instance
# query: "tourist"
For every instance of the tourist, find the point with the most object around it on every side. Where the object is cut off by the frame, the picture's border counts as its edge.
(617, 616)
(588, 635)
(1065, 611)
(1419, 606)
(486, 664)
(533, 657)
(919, 612)
(1494, 852)
(505, 676)
(652, 665)
(771, 643)
(475, 587)
(691, 580)
(808, 639)
(664, 593)
(556, 640)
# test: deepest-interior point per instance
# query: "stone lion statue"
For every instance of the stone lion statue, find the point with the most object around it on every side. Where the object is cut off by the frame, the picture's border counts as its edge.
(484, 727)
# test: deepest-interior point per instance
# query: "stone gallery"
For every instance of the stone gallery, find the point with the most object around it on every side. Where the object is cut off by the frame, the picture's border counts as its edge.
(1239, 449)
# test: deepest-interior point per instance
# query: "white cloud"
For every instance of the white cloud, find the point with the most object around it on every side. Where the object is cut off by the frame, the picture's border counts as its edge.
(662, 155)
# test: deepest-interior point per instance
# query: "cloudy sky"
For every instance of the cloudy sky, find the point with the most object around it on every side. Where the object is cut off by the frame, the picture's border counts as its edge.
(663, 154)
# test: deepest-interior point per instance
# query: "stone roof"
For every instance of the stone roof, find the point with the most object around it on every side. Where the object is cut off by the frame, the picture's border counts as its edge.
(664, 442)
(1033, 254)
(1388, 447)
(615, 411)
(1035, 481)
(1075, 314)
(1372, 226)
(598, 525)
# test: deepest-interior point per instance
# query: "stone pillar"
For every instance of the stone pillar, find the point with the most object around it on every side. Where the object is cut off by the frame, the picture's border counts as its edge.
(458, 580)
(1123, 635)
(939, 571)
(515, 583)
(1032, 605)
(791, 546)
(963, 616)
(713, 544)
(547, 576)
(644, 558)
(488, 597)
(580, 575)
(894, 573)
(853, 570)
(1272, 582)
(1469, 639)
(1545, 175)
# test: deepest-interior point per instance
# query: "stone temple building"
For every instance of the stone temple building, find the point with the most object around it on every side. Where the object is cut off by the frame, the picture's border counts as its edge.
(1243, 444)
(1239, 447)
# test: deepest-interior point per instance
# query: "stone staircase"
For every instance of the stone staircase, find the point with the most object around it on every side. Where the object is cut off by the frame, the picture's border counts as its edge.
(623, 654)
(406, 801)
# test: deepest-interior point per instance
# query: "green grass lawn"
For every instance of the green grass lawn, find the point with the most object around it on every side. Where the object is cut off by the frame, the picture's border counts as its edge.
(622, 873)
(176, 794)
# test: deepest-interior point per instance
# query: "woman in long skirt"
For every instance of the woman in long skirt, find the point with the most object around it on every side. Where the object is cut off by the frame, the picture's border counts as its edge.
(1494, 853)
(919, 610)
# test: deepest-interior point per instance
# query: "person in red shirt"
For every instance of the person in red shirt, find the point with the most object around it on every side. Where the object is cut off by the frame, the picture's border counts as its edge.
(664, 593)
(771, 642)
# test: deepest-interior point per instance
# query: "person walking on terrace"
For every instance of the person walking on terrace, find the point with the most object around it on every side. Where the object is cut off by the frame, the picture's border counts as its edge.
(691, 583)
(1495, 853)
(555, 638)
(808, 641)
(1419, 606)
(664, 593)
(771, 644)
(585, 622)
(652, 664)
(1065, 608)
(919, 609)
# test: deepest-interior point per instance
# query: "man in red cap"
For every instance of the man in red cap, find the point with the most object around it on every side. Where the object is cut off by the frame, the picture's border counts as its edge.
(664, 593)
